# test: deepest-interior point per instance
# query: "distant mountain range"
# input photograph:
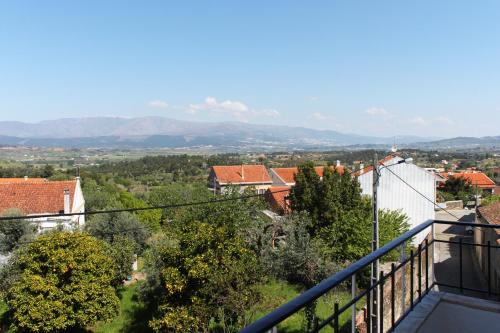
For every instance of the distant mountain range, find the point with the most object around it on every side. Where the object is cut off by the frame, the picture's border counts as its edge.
(160, 132)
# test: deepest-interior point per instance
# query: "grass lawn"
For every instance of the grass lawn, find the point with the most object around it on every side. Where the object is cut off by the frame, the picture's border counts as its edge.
(133, 316)
(276, 293)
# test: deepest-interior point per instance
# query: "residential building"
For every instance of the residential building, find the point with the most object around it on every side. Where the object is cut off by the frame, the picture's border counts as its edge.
(475, 178)
(277, 197)
(286, 176)
(37, 196)
(489, 215)
(242, 176)
(394, 194)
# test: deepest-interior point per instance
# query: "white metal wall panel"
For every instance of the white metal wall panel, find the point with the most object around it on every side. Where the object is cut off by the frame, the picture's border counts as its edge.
(394, 194)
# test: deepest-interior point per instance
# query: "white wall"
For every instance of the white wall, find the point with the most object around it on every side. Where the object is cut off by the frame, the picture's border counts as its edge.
(395, 195)
(78, 206)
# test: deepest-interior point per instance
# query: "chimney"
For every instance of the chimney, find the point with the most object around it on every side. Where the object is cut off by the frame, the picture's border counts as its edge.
(361, 166)
(66, 201)
(338, 163)
(242, 173)
(25, 178)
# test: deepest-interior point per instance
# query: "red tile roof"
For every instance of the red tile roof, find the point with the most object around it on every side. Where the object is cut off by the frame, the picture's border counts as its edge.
(22, 180)
(478, 179)
(491, 213)
(370, 167)
(238, 174)
(276, 196)
(36, 197)
(288, 174)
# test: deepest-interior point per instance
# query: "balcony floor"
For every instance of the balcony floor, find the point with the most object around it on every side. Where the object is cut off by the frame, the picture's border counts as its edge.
(446, 312)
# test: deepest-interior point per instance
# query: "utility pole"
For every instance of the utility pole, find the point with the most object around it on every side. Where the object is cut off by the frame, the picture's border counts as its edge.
(375, 266)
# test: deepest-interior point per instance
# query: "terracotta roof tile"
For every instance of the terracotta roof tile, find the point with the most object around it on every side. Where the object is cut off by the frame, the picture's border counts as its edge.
(491, 213)
(36, 197)
(288, 174)
(22, 180)
(277, 198)
(237, 174)
(478, 179)
(370, 167)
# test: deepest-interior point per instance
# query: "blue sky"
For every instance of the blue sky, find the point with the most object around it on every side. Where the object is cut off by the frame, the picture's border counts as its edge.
(429, 68)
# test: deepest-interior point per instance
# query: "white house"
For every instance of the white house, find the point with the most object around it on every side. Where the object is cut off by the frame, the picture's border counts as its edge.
(38, 196)
(394, 194)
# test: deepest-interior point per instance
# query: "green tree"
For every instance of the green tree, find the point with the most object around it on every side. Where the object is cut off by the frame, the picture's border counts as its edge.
(490, 200)
(306, 194)
(203, 269)
(65, 283)
(459, 187)
(149, 218)
(289, 253)
(14, 231)
(126, 237)
(340, 217)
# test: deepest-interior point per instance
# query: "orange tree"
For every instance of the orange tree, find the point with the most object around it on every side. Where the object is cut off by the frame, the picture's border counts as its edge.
(202, 271)
(65, 283)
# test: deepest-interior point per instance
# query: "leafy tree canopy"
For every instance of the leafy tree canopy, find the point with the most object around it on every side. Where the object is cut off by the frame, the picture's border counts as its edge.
(65, 283)
(14, 231)
(203, 268)
(340, 217)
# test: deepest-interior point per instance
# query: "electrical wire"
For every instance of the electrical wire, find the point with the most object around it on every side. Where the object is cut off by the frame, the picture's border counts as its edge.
(120, 210)
(421, 194)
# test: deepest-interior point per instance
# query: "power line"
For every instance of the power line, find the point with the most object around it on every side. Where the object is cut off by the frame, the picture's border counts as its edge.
(37, 240)
(119, 210)
(421, 194)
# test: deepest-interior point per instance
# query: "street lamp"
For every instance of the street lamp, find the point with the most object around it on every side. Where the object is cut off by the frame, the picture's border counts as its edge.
(375, 266)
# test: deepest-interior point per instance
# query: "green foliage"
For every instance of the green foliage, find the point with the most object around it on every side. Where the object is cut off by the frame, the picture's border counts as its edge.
(133, 316)
(149, 218)
(126, 237)
(99, 195)
(445, 196)
(490, 200)
(174, 194)
(14, 231)
(341, 218)
(202, 269)
(111, 227)
(65, 283)
(289, 253)
(459, 187)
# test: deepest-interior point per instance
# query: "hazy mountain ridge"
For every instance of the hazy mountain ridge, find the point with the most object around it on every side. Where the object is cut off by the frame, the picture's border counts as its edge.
(152, 132)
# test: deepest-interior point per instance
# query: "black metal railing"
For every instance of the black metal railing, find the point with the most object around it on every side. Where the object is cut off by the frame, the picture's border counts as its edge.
(422, 257)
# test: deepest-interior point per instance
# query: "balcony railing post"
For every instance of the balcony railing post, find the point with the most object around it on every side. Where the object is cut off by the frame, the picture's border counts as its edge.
(368, 313)
(336, 314)
(353, 308)
(419, 271)
(461, 265)
(426, 265)
(433, 228)
(412, 259)
(381, 305)
(393, 294)
(403, 277)
(489, 268)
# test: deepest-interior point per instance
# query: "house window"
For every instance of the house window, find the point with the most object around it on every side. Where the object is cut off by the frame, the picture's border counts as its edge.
(261, 191)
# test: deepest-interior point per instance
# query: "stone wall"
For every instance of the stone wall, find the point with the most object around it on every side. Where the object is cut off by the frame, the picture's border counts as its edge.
(456, 204)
